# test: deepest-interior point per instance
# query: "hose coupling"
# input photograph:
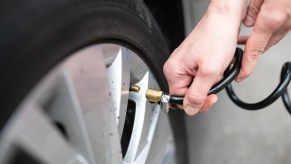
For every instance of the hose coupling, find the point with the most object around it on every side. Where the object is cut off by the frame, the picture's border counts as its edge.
(159, 97)
(154, 96)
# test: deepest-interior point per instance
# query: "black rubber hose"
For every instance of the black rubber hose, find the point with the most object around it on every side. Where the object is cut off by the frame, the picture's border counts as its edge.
(285, 97)
(281, 90)
(228, 78)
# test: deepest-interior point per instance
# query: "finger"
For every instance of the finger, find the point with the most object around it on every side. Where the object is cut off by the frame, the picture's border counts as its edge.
(180, 106)
(196, 95)
(255, 46)
(242, 39)
(178, 80)
(252, 12)
(180, 86)
(210, 101)
(276, 37)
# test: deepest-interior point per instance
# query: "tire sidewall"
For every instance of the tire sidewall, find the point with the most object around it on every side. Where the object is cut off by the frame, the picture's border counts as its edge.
(33, 47)
(48, 42)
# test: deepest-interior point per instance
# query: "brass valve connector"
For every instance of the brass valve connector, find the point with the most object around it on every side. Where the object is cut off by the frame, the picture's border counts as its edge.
(154, 95)
(134, 88)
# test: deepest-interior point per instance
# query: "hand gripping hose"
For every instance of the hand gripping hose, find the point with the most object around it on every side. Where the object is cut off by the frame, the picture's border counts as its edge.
(229, 76)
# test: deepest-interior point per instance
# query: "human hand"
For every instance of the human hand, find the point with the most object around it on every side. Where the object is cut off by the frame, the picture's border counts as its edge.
(199, 62)
(271, 20)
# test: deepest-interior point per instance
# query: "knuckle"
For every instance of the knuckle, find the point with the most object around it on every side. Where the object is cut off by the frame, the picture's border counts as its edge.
(255, 53)
(196, 99)
(170, 63)
(166, 68)
(209, 70)
(176, 51)
(274, 18)
(276, 21)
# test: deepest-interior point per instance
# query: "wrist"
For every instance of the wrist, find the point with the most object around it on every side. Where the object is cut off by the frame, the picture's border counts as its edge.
(227, 9)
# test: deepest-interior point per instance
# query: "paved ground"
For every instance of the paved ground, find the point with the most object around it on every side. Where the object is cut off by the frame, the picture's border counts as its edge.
(230, 135)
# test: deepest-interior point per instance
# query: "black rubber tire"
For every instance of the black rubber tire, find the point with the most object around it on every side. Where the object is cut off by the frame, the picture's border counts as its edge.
(37, 35)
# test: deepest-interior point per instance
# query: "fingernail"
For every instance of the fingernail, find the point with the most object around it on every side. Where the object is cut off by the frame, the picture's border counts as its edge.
(238, 80)
(191, 110)
(249, 21)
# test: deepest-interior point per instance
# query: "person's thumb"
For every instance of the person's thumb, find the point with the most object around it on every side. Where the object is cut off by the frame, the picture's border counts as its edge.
(252, 12)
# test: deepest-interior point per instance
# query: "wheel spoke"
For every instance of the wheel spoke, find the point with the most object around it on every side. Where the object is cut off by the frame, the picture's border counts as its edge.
(88, 74)
(119, 79)
(143, 120)
(154, 119)
(162, 136)
(64, 109)
(33, 132)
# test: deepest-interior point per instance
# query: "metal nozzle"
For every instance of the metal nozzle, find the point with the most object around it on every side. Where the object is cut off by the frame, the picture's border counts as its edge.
(134, 88)
(154, 95)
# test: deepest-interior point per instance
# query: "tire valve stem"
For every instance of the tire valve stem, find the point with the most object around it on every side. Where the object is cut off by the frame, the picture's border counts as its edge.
(159, 97)
(134, 88)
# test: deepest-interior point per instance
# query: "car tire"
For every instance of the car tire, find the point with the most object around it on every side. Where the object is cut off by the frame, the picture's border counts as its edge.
(38, 35)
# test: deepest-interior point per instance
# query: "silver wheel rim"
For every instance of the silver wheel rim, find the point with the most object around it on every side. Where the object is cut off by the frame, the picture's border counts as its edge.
(79, 113)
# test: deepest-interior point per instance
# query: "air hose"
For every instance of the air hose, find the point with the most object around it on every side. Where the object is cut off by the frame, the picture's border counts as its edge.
(229, 75)
(280, 90)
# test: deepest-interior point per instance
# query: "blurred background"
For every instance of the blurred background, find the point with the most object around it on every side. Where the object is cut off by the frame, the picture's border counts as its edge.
(228, 134)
